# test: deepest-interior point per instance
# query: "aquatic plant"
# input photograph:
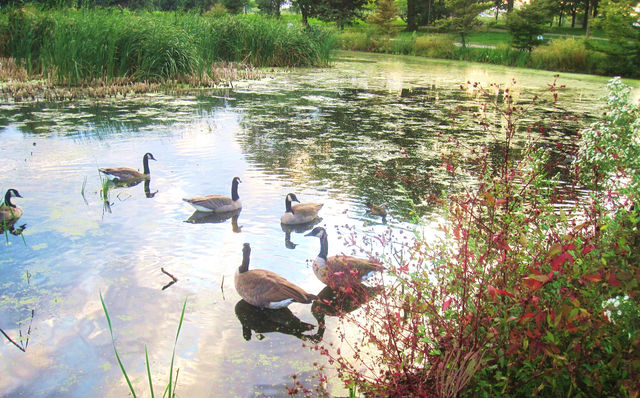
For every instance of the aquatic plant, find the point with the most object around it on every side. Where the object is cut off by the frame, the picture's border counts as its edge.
(531, 288)
(568, 55)
(170, 389)
(76, 46)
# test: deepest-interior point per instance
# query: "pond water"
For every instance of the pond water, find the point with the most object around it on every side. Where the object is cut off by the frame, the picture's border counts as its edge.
(321, 133)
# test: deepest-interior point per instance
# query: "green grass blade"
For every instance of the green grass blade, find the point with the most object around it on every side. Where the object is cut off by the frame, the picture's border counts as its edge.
(124, 372)
(169, 386)
(146, 357)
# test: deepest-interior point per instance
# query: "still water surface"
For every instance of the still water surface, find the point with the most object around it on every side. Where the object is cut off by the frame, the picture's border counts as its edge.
(321, 133)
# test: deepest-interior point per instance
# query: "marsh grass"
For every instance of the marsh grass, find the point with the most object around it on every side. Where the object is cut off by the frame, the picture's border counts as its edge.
(568, 55)
(170, 389)
(75, 47)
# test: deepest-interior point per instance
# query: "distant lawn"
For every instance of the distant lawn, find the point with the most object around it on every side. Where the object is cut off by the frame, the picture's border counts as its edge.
(489, 38)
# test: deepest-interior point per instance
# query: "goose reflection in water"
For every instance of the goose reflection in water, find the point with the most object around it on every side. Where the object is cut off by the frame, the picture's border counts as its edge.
(297, 228)
(133, 183)
(334, 302)
(10, 228)
(202, 217)
(264, 320)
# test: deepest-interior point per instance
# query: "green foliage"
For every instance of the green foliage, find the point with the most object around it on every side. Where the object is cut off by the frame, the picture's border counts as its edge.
(234, 6)
(568, 55)
(270, 7)
(463, 16)
(355, 41)
(342, 12)
(610, 147)
(385, 13)
(531, 287)
(80, 45)
(526, 24)
(621, 23)
(404, 44)
(437, 46)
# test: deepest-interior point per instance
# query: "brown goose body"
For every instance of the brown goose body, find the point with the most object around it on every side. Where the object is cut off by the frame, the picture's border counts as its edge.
(129, 174)
(218, 203)
(8, 211)
(300, 213)
(266, 289)
(340, 270)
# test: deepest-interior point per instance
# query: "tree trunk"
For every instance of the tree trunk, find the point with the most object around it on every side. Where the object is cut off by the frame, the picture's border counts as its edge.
(573, 18)
(411, 16)
(594, 7)
(560, 19)
(585, 19)
(509, 5)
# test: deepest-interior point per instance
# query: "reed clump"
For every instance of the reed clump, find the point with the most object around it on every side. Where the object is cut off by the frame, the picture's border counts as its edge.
(76, 46)
(568, 55)
(437, 46)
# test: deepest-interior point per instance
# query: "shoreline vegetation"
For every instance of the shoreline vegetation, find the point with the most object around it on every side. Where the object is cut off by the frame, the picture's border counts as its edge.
(63, 54)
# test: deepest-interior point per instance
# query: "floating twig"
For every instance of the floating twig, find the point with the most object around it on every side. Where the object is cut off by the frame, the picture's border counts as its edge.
(173, 279)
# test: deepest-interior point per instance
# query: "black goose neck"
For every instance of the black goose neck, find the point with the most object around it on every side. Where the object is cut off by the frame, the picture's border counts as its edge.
(245, 261)
(145, 164)
(7, 199)
(287, 204)
(324, 247)
(234, 190)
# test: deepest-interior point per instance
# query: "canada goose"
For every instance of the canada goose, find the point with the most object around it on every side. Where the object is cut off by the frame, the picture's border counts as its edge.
(264, 320)
(8, 211)
(218, 203)
(301, 213)
(341, 270)
(377, 210)
(266, 289)
(127, 174)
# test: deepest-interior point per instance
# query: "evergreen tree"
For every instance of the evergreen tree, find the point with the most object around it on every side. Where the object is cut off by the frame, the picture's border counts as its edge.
(526, 24)
(342, 12)
(621, 23)
(386, 12)
(234, 6)
(463, 16)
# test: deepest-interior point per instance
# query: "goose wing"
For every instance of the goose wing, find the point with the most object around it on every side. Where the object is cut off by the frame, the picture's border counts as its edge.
(307, 209)
(209, 201)
(271, 287)
(347, 264)
(123, 173)
(8, 213)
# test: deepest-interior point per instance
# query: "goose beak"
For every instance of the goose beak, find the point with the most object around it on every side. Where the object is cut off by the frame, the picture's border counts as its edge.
(309, 234)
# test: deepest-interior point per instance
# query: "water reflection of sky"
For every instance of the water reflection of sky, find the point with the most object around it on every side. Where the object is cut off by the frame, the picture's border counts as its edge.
(318, 133)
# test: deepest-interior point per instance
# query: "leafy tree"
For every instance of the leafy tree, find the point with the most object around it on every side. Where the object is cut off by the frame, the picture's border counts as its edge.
(386, 12)
(234, 6)
(621, 23)
(342, 12)
(526, 24)
(463, 16)
(270, 7)
(306, 8)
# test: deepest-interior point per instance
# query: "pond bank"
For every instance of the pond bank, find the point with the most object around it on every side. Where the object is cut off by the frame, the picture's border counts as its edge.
(17, 85)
